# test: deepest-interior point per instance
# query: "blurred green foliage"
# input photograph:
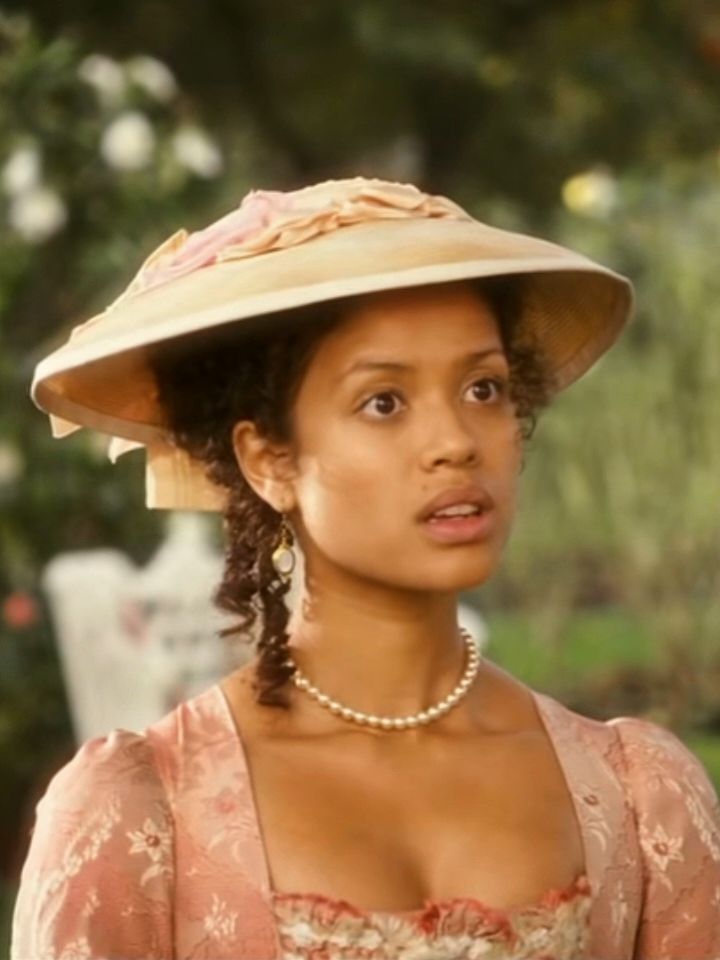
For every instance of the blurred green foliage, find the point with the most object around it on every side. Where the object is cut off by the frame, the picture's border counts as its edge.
(74, 224)
(619, 503)
(497, 100)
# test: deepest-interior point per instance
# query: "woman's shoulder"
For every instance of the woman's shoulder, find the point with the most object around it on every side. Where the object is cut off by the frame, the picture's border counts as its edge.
(639, 745)
(653, 747)
(102, 838)
(659, 773)
(668, 781)
(677, 815)
(127, 763)
(109, 768)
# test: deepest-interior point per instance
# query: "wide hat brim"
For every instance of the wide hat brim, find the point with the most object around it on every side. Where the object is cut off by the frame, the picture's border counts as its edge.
(574, 307)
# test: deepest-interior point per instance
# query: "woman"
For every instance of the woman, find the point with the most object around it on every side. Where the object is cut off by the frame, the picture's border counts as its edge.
(352, 370)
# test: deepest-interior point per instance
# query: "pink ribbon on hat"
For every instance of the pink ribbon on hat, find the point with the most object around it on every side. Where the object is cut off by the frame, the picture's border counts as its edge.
(184, 252)
(271, 220)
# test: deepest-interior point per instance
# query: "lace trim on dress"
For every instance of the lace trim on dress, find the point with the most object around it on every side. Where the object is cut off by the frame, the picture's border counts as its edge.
(314, 926)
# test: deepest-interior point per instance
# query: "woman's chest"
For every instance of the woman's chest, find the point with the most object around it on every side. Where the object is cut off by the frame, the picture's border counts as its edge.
(490, 818)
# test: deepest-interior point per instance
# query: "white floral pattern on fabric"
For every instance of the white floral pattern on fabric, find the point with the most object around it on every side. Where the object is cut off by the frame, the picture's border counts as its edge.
(220, 922)
(77, 950)
(314, 927)
(82, 895)
(156, 843)
(659, 846)
(678, 818)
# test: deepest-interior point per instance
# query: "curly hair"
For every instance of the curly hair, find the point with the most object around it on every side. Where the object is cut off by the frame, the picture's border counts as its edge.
(209, 381)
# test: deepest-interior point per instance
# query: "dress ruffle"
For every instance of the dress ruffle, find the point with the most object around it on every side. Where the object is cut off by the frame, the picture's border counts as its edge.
(315, 927)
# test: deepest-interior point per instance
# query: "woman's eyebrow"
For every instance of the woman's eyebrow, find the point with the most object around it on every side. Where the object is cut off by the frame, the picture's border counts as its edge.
(364, 364)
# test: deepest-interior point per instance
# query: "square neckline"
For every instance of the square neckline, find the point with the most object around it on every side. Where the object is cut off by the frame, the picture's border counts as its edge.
(551, 898)
(582, 883)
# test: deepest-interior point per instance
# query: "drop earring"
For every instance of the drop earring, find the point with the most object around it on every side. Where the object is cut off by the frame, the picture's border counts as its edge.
(283, 557)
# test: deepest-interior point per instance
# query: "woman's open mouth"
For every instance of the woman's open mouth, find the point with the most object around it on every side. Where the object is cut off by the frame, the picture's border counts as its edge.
(461, 527)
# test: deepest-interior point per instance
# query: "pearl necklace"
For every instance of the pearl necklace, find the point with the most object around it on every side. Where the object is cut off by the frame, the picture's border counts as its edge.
(397, 723)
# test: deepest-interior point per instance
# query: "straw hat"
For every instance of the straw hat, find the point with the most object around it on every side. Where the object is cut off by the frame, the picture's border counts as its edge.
(279, 250)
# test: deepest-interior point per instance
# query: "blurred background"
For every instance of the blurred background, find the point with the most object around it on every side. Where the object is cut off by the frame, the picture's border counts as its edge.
(591, 123)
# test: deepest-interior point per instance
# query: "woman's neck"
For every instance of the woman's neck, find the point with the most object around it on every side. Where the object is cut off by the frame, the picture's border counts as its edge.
(380, 653)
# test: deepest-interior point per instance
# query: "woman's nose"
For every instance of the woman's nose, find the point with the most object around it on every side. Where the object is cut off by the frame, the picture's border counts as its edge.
(449, 440)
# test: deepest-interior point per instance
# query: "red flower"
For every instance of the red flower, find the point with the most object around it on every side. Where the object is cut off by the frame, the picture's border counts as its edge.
(20, 610)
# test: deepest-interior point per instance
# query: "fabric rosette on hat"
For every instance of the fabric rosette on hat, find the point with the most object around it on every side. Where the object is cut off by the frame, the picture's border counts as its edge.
(278, 251)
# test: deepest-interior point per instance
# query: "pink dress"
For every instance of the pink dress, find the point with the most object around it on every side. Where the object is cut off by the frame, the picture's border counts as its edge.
(148, 845)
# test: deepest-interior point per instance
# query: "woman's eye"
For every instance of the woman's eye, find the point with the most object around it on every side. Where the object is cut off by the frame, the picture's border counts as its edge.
(489, 388)
(383, 406)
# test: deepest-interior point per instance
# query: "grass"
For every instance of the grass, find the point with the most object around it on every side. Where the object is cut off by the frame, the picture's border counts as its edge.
(588, 643)
(707, 749)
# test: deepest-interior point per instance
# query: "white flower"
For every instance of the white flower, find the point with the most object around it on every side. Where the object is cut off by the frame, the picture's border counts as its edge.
(196, 151)
(152, 840)
(128, 142)
(660, 847)
(37, 214)
(105, 75)
(22, 170)
(593, 193)
(153, 76)
(11, 464)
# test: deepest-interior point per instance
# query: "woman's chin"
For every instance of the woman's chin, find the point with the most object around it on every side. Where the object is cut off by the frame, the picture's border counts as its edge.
(437, 569)
(469, 582)
(470, 563)
(460, 575)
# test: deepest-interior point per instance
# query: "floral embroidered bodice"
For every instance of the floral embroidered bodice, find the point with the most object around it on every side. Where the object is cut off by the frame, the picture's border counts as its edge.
(147, 846)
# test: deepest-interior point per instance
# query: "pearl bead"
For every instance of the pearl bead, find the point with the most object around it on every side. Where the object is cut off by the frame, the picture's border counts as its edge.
(397, 723)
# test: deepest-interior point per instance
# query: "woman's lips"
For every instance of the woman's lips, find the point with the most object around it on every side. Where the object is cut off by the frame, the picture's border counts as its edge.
(460, 529)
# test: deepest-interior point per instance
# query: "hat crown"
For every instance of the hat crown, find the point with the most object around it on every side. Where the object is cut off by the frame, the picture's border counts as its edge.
(269, 220)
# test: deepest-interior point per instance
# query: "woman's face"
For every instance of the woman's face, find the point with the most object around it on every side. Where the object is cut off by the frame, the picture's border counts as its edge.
(405, 400)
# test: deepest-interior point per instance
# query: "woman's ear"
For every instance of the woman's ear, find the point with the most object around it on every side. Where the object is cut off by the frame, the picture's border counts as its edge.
(267, 466)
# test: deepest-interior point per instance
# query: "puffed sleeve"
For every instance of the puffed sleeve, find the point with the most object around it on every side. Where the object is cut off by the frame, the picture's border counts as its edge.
(678, 820)
(97, 881)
